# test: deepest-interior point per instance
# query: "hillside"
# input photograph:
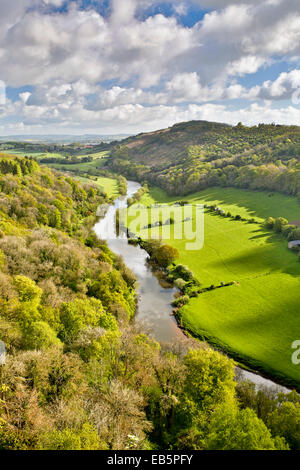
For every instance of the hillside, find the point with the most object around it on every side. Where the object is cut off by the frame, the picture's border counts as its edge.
(192, 156)
(79, 375)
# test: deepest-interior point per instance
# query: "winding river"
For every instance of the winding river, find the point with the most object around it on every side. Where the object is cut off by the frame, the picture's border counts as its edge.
(154, 307)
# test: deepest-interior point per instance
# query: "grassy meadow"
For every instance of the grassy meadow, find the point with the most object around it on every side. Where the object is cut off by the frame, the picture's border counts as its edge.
(36, 155)
(258, 318)
(257, 204)
(97, 162)
(108, 185)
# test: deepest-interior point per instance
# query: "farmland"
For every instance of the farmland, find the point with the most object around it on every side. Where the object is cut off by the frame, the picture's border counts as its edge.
(107, 185)
(97, 161)
(257, 318)
(34, 154)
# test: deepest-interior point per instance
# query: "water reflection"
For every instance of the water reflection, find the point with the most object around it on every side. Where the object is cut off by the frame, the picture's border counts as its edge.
(155, 299)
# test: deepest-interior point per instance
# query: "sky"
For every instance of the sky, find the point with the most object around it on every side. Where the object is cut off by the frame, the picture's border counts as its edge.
(130, 66)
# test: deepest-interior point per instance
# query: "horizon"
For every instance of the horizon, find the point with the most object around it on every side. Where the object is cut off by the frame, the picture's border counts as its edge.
(139, 132)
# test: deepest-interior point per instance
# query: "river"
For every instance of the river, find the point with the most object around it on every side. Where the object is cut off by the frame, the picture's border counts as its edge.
(154, 306)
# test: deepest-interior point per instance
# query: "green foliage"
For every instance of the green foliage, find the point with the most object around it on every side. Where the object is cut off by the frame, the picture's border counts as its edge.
(77, 315)
(231, 429)
(285, 421)
(112, 289)
(279, 223)
(14, 439)
(30, 297)
(85, 438)
(17, 166)
(166, 255)
(39, 335)
(162, 254)
(210, 380)
(28, 290)
(196, 155)
(270, 223)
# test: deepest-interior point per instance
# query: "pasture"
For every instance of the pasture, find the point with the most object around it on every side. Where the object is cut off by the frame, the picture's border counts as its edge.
(36, 155)
(96, 163)
(108, 185)
(257, 204)
(258, 318)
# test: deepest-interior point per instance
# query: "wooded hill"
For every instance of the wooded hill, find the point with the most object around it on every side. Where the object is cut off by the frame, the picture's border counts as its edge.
(195, 155)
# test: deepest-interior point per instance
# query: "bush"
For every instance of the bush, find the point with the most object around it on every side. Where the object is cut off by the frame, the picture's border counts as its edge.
(181, 301)
(183, 272)
(280, 222)
(180, 284)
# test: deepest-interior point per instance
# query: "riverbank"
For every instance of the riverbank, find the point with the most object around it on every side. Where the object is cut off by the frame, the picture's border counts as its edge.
(155, 299)
(247, 367)
(154, 307)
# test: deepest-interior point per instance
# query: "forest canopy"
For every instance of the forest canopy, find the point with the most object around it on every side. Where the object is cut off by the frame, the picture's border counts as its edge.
(192, 156)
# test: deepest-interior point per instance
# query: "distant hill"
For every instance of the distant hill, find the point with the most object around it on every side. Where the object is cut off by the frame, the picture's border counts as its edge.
(195, 155)
(167, 145)
(60, 138)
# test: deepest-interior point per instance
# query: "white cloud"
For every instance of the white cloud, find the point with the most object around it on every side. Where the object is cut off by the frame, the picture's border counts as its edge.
(134, 118)
(123, 11)
(2, 93)
(156, 64)
(245, 65)
(280, 89)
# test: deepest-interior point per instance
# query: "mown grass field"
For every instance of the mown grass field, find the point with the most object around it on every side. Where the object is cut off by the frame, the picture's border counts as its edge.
(108, 185)
(257, 204)
(258, 319)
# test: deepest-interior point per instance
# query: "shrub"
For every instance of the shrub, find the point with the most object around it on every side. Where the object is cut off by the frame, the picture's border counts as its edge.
(280, 222)
(181, 301)
(180, 284)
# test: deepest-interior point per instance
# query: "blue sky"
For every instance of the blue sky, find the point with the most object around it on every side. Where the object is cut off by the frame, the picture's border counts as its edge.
(127, 66)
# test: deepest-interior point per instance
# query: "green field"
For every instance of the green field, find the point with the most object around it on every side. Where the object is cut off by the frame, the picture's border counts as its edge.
(258, 319)
(97, 162)
(37, 155)
(108, 185)
(257, 204)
